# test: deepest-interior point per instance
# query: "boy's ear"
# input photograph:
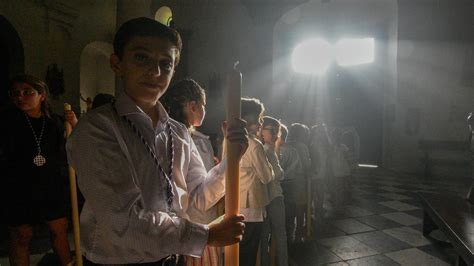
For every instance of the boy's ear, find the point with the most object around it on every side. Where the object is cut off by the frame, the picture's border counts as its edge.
(115, 64)
(192, 105)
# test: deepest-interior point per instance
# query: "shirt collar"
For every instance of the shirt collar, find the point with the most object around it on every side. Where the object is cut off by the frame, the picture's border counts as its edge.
(126, 106)
(196, 133)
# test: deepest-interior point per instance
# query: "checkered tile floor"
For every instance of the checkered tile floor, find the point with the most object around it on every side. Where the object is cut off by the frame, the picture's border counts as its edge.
(380, 225)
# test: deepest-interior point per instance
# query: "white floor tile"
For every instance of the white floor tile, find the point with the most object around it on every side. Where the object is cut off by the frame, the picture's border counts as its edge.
(415, 257)
(347, 247)
(408, 235)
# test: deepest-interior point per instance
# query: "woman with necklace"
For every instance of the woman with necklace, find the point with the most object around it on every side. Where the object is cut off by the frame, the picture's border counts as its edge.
(32, 156)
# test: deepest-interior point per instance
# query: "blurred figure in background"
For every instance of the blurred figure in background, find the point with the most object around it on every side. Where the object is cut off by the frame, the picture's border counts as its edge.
(292, 184)
(274, 228)
(298, 138)
(350, 138)
(319, 150)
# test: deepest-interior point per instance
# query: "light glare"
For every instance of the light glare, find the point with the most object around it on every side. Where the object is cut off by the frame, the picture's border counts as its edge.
(368, 165)
(350, 52)
(312, 56)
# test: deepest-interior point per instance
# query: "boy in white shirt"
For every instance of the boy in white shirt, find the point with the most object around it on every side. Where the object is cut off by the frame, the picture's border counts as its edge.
(255, 173)
(138, 169)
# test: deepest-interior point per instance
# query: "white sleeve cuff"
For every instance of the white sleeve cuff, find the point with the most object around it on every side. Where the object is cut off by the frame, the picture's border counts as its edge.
(194, 239)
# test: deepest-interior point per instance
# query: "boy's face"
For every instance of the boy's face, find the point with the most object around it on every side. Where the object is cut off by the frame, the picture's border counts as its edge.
(269, 134)
(254, 123)
(146, 67)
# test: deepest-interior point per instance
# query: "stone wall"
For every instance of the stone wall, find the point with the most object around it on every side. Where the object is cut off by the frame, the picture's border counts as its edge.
(57, 32)
(435, 77)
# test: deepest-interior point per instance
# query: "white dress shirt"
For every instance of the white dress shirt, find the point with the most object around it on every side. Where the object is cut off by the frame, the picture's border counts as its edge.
(255, 173)
(204, 146)
(125, 217)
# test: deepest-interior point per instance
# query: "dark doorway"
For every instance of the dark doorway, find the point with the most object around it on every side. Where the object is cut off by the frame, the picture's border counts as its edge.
(355, 100)
(12, 60)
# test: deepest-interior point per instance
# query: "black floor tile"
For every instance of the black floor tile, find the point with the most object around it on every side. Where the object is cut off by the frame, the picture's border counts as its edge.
(376, 260)
(312, 254)
(379, 222)
(375, 207)
(441, 250)
(416, 213)
(326, 230)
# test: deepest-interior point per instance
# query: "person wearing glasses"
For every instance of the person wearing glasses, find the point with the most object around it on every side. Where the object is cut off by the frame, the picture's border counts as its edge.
(32, 156)
(274, 225)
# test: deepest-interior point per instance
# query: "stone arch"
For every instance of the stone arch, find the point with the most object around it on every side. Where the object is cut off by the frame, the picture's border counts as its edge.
(96, 76)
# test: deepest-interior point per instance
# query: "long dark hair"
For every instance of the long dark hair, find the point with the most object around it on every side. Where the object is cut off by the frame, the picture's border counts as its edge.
(178, 95)
(37, 84)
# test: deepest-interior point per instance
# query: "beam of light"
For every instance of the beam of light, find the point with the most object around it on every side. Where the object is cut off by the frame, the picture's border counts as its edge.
(312, 56)
(368, 165)
(350, 52)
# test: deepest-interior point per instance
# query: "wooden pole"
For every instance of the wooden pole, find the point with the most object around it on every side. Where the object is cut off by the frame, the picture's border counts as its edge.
(309, 208)
(232, 181)
(73, 193)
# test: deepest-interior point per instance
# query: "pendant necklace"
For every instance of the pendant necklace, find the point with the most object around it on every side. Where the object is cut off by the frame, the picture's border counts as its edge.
(39, 159)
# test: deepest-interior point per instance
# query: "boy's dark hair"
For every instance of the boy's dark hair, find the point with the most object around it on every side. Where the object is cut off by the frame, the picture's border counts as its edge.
(271, 121)
(37, 84)
(178, 95)
(101, 99)
(251, 107)
(298, 132)
(145, 27)
(284, 132)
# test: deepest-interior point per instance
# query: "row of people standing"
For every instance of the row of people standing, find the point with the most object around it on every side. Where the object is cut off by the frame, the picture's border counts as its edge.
(287, 173)
(145, 218)
(264, 182)
(139, 208)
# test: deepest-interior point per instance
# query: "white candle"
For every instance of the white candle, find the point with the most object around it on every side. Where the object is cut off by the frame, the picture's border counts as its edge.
(232, 184)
